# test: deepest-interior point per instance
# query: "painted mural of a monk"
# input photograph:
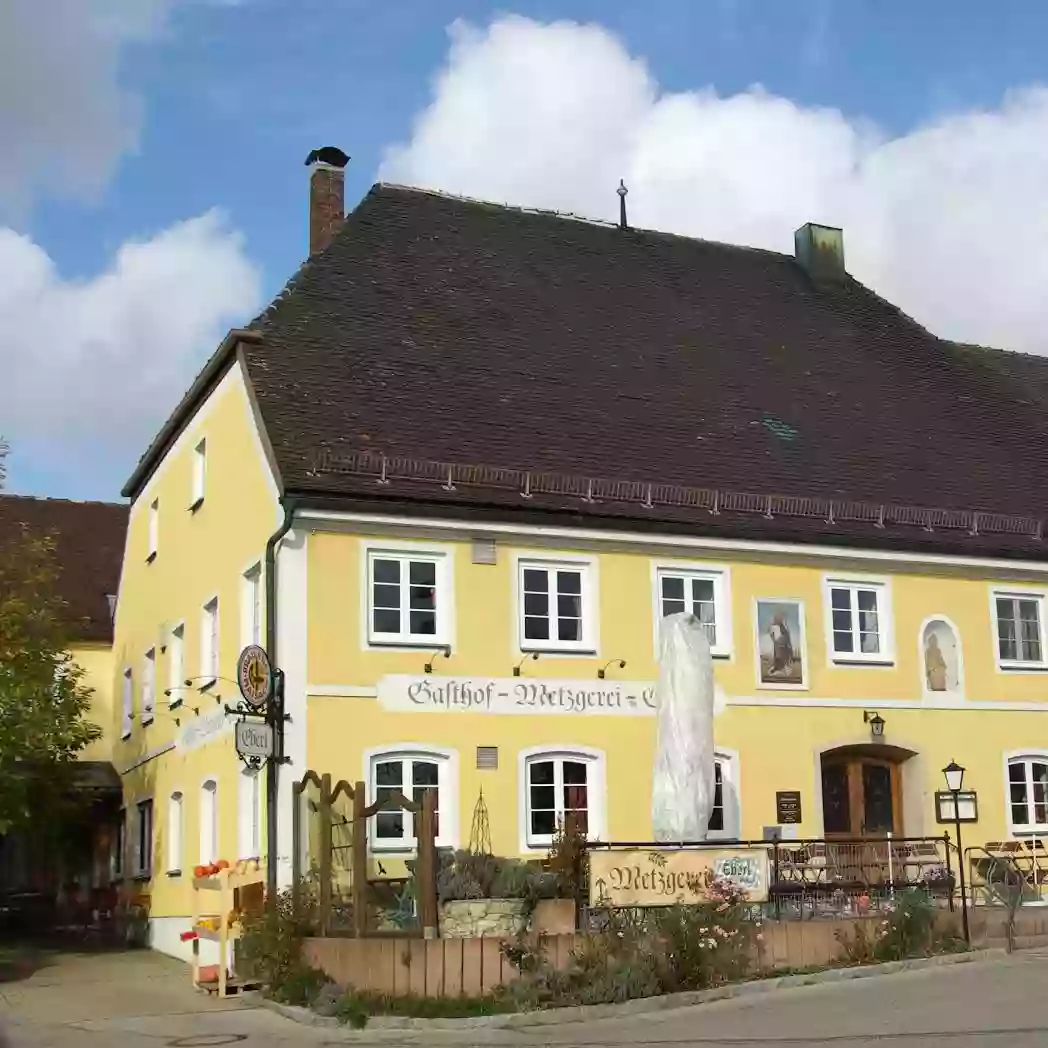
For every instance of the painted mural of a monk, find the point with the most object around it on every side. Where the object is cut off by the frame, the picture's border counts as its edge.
(934, 665)
(782, 646)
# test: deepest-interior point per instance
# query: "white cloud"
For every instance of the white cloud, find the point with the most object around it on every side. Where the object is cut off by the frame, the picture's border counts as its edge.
(91, 368)
(949, 220)
(65, 118)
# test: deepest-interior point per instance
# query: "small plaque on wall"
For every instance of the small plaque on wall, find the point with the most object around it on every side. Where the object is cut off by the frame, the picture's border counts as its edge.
(788, 807)
(967, 807)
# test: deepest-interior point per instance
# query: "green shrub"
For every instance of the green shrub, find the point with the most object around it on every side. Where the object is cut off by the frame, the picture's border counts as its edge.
(682, 947)
(352, 1011)
(708, 944)
(859, 947)
(908, 929)
(477, 875)
(270, 947)
(568, 858)
(354, 1008)
(301, 986)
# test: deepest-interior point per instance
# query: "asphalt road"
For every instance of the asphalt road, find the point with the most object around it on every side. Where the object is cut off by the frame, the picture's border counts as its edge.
(99, 1003)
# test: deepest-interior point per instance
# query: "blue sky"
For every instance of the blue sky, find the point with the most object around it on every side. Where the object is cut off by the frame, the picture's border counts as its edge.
(224, 99)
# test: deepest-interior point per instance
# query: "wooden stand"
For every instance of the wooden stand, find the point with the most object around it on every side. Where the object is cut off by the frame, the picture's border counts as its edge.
(211, 927)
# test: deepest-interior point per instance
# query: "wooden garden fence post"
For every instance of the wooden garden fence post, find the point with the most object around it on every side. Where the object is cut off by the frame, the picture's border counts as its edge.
(325, 854)
(427, 864)
(360, 861)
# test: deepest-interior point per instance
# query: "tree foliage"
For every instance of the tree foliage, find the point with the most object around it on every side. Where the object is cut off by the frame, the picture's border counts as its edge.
(43, 698)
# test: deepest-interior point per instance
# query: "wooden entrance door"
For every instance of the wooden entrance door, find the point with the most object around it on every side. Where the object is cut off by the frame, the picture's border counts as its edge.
(861, 797)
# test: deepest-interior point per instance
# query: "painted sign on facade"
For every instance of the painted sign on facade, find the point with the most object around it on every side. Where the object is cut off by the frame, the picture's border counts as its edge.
(662, 877)
(517, 695)
(206, 728)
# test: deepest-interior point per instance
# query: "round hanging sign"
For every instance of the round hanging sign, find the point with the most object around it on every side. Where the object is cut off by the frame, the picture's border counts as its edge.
(255, 675)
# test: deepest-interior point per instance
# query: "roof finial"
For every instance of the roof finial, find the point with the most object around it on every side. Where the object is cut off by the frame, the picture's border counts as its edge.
(622, 191)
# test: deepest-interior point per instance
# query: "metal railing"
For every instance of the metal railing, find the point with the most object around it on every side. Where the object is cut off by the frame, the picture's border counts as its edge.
(825, 877)
(1008, 873)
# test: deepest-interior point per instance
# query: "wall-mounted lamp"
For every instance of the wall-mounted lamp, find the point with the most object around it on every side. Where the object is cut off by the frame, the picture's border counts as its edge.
(603, 671)
(175, 712)
(444, 649)
(210, 680)
(530, 655)
(876, 723)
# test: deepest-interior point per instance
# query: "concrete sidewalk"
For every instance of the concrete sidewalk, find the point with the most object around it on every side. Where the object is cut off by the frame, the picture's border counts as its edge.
(71, 987)
(142, 1000)
(70, 994)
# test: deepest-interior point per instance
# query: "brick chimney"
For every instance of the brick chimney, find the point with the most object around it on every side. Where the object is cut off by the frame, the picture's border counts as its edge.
(327, 195)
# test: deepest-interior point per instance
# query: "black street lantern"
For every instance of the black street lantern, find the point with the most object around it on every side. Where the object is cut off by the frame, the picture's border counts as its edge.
(876, 723)
(954, 775)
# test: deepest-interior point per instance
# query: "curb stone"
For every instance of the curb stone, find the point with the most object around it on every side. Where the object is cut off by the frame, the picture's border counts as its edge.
(642, 1006)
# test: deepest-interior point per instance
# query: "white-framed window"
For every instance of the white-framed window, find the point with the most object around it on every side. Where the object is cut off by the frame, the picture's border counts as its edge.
(176, 665)
(175, 830)
(144, 840)
(149, 686)
(251, 606)
(249, 814)
(1019, 623)
(557, 781)
(209, 642)
(119, 848)
(702, 591)
(127, 703)
(1028, 792)
(725, 819)
(859, 620)
(411, 770)
(208, 822)
(556, 608)
(199, 474)
(408, 597)
(154, 529)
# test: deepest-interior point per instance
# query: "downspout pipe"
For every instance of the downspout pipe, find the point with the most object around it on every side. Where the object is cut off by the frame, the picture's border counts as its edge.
(277, 700)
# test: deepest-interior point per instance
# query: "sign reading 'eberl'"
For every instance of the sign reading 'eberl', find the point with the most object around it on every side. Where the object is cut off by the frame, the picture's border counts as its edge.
(516, 695)
(664, 876)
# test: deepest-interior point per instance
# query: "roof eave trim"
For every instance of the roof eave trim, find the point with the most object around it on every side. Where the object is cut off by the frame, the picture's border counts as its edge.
(170, 430)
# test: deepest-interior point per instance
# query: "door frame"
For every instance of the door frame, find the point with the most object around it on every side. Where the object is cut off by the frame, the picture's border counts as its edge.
(853, 761)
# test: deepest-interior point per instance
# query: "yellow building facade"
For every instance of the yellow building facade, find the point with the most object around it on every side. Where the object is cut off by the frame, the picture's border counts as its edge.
(505, 644)
(443, 707)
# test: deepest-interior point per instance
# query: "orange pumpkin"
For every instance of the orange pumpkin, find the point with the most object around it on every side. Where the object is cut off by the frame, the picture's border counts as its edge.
(222, 864)
(199, 871)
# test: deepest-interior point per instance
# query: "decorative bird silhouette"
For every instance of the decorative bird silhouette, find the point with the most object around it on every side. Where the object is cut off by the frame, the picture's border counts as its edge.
(328, 155)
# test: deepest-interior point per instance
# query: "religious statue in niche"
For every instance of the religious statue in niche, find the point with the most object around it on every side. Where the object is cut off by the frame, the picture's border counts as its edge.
(942, 659)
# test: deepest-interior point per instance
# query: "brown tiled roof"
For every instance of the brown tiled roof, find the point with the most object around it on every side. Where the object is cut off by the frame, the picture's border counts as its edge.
(455, 339)
(89, 540)
(445, 330)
